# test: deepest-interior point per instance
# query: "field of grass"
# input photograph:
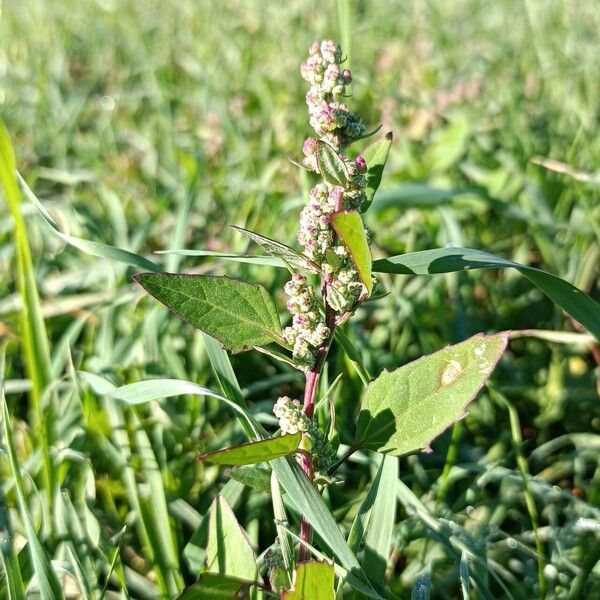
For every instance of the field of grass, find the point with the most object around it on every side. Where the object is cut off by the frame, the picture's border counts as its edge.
(153, 125)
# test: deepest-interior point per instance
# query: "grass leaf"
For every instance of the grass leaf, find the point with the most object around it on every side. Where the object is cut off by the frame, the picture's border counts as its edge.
(447, 260)
(282, 251)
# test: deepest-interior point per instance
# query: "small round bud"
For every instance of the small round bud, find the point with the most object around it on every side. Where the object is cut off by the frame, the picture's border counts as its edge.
(347, 75)
(361, 164)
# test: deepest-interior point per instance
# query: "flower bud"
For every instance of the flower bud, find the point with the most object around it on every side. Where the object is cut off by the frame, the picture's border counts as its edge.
(361, 164)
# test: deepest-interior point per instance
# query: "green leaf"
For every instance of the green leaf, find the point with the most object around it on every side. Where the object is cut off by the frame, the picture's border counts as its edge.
(448, 147)
(258, 478)
(299, 489)
(265, 261)
(212, 586)
(228, 551)
(240, 315)
(195, 550)
(331, 166)
(157, 389)
(350, 229)
(89, 247)
(403, 411)
(379, 531)
(36, 347)
(47, 582)
(286, 253)
(376, 156)
(313, 580)
(446, 260)
(254, 453)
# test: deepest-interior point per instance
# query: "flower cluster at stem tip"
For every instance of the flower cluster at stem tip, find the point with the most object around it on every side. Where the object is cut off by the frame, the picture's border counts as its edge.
(337, 127)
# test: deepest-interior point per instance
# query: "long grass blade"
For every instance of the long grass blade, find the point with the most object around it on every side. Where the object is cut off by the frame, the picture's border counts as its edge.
(35, 337)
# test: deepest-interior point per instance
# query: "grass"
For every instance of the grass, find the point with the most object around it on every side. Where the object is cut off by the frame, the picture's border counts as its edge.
(150, 126)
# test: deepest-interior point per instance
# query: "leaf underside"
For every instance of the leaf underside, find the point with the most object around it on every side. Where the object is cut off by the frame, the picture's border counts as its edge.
(240, 315)
(280, 250)
(404, 410)
(255, 452)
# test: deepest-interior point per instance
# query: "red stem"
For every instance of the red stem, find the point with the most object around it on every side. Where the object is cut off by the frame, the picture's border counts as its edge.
(310, 392)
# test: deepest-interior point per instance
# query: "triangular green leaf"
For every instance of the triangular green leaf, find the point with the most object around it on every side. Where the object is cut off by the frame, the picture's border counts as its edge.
(313, 580)
(349, 227)
(376, 156)
(446, 260)
(331, 166)
(240, 315)
(254, 453)
(282, 251)
(228, 551)
(403, 411)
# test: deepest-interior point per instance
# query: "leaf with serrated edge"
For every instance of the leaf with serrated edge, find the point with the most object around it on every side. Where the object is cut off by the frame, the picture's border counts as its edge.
(254, 453)
(312, 580)
(403, 411)
(331, 166)
(240, 315)
(228, 551)
(282, 251)
(376, 156)
(349, 227)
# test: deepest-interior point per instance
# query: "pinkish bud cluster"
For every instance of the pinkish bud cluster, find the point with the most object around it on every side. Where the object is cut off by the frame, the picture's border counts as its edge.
(315, 233)
(329, 117)
(308, 330)
(337, 127)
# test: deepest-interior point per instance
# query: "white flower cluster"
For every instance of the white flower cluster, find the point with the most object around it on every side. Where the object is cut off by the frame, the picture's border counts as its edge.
(290, 415)
(329, 117)
(293, 420)
(308, 331)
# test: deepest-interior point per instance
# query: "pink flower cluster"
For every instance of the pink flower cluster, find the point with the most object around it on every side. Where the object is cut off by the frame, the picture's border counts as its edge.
(329, 117)
(341, 283)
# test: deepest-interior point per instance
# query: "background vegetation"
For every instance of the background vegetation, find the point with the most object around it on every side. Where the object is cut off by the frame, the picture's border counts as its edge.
(152, 125)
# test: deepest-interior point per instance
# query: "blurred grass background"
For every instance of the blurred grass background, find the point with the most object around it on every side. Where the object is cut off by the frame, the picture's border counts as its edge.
(152, 125)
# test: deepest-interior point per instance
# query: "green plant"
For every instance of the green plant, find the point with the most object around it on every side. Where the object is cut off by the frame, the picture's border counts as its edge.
(123, 457)
(402, 411)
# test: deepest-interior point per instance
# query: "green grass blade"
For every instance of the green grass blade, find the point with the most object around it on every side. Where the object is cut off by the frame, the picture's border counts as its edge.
(97, 249)
(35, 337)
(46, 578)
(155, 512)
(265, 261)
(378, 539)
(447, 260)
